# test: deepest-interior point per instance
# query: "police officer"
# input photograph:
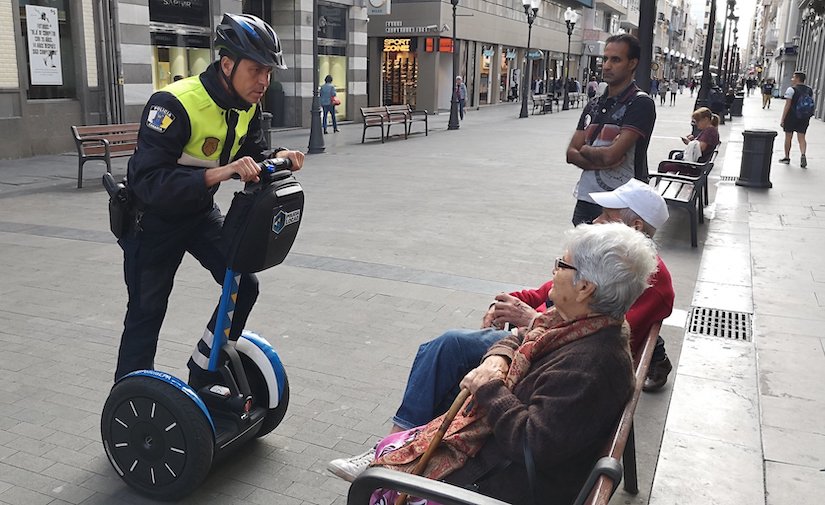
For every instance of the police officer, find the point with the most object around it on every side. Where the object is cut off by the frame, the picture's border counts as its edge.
(194, 134)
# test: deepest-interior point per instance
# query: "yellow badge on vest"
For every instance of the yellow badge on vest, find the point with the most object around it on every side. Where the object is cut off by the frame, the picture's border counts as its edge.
(210, 145)
(159, 118)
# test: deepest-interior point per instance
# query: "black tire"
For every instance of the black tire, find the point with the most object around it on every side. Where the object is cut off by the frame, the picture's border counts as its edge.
(156, 438)
(260, 394)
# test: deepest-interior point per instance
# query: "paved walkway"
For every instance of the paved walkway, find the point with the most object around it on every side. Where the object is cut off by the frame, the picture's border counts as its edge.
(745, 423)
(399, 242)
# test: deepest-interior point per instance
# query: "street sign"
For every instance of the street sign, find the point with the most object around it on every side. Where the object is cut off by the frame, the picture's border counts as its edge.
(535, 54)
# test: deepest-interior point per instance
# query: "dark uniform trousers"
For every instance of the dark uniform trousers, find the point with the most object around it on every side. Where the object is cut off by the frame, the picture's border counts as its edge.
(152, 255)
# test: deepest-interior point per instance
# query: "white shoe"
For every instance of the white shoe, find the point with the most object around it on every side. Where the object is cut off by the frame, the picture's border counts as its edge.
(350, 468)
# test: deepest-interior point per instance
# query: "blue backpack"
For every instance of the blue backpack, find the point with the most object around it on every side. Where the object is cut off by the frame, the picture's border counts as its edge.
(805, 106)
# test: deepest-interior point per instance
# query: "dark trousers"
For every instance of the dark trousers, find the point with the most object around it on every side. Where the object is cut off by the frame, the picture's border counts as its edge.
(585, 212)
(151, 257)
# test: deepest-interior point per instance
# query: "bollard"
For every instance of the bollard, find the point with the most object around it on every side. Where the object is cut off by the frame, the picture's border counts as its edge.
(757, 151)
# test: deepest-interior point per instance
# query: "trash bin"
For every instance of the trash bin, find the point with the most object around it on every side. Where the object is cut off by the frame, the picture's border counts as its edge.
(266, 121)
(736, 106)
(266, 126)
(757, 151)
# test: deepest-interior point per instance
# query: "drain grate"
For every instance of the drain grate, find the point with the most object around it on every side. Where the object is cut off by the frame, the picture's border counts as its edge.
(729, 178)
(720, 323)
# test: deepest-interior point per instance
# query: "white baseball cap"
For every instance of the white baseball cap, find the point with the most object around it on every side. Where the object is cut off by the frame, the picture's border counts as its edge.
(638, 197)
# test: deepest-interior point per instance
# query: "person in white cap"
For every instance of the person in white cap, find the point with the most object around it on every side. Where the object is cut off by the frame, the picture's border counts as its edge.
(441, 363)
(637, 205)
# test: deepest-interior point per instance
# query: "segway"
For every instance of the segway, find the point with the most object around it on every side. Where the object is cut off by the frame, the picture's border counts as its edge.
(160, 435)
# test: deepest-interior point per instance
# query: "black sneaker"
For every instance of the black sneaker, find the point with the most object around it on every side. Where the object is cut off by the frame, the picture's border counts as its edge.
(657, 375)
(803, 162)
(785, 160)
(199, 378)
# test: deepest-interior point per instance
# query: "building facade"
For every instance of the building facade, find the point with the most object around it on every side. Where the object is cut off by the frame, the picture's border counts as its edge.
(78, 62)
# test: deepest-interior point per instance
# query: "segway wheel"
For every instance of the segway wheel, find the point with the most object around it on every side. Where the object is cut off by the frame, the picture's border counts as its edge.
(156, 438)
(260, 393)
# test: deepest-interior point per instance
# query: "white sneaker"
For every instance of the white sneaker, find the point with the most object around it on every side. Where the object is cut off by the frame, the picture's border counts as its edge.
(350, 468)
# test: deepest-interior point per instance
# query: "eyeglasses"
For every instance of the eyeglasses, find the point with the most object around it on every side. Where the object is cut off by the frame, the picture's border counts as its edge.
(561, 264)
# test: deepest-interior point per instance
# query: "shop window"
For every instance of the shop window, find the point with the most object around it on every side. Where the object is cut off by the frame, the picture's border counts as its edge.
(399, 71)
(189, 12)
(332, 51)
(47, 36)
(484, 82)
(176, 56)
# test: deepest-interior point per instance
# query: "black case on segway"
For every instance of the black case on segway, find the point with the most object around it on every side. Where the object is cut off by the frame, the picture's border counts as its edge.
(265, 219)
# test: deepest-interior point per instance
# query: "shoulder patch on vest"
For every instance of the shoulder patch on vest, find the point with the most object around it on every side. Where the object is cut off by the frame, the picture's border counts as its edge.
(210, 145)
(159, 118)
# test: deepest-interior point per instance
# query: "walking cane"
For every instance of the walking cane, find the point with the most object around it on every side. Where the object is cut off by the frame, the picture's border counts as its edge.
(445, 424)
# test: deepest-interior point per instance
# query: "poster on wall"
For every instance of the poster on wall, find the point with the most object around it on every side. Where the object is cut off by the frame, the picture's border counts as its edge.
(43, 36)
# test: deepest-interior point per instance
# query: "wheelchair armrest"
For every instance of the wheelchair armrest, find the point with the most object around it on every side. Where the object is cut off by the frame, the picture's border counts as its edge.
(447, 494)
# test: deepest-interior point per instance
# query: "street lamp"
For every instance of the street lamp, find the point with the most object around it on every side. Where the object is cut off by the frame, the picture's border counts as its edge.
(570, 19)
(316, 139)
(531, 8)
(453, 124)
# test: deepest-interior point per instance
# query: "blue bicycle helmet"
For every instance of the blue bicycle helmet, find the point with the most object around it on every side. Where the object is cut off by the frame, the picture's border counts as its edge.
(246, 36)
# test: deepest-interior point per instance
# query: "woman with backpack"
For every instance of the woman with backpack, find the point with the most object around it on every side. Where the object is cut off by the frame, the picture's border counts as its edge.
(799, 107)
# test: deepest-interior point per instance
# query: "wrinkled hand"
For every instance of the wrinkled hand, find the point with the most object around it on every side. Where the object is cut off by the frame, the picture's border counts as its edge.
(492, 368)
(297, 158)
(509, 309)
(246, 168)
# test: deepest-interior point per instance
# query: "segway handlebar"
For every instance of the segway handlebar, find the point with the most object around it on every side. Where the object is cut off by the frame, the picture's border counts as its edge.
(272, 169)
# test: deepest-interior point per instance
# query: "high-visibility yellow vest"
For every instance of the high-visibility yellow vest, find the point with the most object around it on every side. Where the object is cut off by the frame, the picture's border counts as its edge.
(208, 124)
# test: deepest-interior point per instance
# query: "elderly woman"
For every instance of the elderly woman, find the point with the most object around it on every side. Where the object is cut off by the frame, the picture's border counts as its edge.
(556, 389)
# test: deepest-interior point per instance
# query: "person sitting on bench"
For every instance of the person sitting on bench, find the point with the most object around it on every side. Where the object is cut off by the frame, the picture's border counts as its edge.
(698, 148)
(554, 387)
(441, 363)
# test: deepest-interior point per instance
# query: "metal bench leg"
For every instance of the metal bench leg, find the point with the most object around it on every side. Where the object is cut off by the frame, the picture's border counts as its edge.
(694, 241)
(80, 162)
(631, 484)
(364, 134)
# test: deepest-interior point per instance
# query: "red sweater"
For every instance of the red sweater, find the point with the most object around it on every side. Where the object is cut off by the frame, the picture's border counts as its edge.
(655, 304)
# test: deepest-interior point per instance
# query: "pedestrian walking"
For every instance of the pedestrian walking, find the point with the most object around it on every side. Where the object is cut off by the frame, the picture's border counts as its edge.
(460, 92)
(329, 99)
(611, 139)
(799, 107)
(662, 91)
(767, 93)
(672, 87)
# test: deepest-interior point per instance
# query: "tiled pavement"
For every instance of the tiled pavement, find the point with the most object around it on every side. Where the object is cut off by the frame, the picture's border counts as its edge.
(400, 241)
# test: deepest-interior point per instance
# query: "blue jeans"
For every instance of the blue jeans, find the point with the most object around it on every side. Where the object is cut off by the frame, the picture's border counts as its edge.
(330, 109)
(436, 371)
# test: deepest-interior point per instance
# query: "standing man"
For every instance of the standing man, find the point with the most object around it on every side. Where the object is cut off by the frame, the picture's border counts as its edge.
(194, 134)
(797, 115)
(611, 139)
(460, 95)
(767, 93)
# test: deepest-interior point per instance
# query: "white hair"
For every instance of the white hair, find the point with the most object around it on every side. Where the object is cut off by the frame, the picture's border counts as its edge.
(617, 259)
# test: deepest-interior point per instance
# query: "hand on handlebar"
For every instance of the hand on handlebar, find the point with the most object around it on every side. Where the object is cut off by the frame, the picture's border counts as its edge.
(297, 158)
(246, 168)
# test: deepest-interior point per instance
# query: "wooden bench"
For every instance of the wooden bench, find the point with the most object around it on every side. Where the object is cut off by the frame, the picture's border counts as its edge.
(607, 473)
(539, 103)
(412, 116)
(598, 488)
(685, 191)
(103, 142)
(381, 118)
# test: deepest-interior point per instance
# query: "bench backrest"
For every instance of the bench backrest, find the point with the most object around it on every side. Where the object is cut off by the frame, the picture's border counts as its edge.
(121, 138)
(603, 489)
(382, 110)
